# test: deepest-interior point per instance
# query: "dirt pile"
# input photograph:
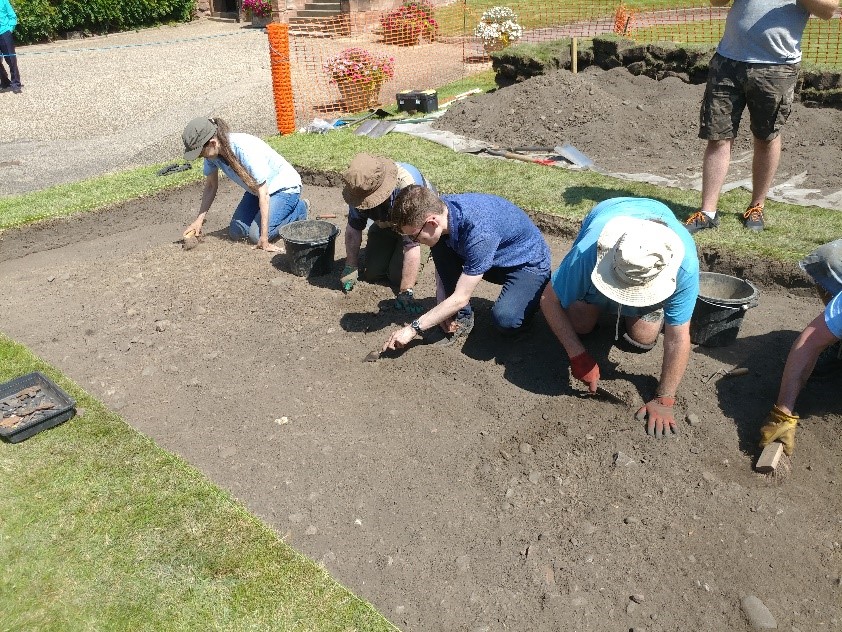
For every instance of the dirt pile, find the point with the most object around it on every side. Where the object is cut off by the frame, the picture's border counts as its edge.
(635, 125)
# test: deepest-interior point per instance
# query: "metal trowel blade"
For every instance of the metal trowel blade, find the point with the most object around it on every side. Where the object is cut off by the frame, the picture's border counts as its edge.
(373, 356)
(604, 392)
(574, 156)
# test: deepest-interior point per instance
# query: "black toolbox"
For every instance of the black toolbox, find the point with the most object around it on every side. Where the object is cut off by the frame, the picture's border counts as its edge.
(45, 405)
(418, 101)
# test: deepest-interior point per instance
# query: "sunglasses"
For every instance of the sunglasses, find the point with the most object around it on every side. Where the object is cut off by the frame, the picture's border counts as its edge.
(414, 237)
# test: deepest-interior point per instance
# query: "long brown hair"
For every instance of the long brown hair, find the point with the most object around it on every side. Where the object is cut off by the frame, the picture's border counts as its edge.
(228, 155)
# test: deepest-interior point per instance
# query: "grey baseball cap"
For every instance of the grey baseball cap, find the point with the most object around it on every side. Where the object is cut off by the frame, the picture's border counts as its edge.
(824, 265)
(198, 131)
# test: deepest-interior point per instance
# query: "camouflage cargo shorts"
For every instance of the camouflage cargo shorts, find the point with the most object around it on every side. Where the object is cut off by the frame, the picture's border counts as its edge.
(767, 89)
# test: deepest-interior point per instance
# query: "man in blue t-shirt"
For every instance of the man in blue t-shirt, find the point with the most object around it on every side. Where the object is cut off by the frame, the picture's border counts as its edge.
(473, 236)
(756, 65)
(631, 258)
(371, 185)
(817, 349)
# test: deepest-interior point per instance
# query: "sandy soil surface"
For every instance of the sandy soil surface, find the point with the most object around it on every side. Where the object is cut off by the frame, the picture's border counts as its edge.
(648, 130)
(457, 489)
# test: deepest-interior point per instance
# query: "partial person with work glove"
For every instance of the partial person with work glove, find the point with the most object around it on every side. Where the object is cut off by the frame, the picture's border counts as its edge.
(632, 258)
(272, 186)
(816, 353)
(371, 185)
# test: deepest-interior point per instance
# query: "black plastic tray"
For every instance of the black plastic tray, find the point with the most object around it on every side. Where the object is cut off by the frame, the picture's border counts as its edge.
(64, 410)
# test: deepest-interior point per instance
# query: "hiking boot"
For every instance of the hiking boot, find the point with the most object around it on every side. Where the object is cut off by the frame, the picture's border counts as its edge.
(464, 325)
(753, 218)
(829, 362)
(699, 220)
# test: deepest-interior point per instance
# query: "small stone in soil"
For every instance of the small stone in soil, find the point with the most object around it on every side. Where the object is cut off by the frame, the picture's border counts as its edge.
(692, 419)
(758, 614)
(631, 520)
(623, 460)
(637, 598)
(525, 448)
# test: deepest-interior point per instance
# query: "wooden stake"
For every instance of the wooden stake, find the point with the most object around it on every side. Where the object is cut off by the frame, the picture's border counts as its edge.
(574, 61)
(770, 457)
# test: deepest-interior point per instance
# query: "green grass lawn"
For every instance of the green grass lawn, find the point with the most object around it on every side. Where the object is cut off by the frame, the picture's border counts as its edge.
(457, 19)
(567, 194)
(103, 530)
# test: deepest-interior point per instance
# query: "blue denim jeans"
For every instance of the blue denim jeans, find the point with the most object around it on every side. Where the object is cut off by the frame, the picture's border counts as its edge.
(519, 298)
(7, 49)
(283, 209)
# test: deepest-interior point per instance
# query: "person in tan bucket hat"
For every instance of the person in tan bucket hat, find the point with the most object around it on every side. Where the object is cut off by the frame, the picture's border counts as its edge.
(371, 185)
(633, 258)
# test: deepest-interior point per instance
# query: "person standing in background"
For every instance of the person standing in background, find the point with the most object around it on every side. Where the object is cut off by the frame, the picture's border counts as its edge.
(756, 65)
(8, 22)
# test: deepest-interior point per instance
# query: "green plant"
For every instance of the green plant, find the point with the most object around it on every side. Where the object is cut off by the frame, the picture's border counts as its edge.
(260, 8)
(405, 24)
(40, 20)
(37, 20)
(498, 25)
(359, 66)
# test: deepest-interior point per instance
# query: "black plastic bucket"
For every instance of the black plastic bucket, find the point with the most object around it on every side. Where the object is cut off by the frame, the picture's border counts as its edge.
(723, 301)
(310, 245)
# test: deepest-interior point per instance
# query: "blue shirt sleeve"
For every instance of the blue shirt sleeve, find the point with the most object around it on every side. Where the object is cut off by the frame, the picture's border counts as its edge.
(209, 167)
(480, 249)
(833, 315)
(572, 279)
(678, 308)
(356, 220)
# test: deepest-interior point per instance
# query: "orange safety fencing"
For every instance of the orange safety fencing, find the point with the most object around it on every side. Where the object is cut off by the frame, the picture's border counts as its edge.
(353, 61)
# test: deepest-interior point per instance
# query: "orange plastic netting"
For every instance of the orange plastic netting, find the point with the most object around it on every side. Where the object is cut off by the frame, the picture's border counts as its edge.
(322, 67)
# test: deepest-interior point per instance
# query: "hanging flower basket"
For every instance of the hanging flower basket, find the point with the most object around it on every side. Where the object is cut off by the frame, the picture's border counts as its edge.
(410, 24)
(498, 29)
(357, 96)
(359, 75)
(258, 21)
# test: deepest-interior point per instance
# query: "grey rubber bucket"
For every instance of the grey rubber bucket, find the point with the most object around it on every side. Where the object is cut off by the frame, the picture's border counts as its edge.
(310, 246)
(722, 302)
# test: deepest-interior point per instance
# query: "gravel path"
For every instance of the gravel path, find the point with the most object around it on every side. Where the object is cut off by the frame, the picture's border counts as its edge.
(108, 103)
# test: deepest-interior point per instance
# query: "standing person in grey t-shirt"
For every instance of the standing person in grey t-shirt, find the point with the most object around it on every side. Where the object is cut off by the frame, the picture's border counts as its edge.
(756, 65)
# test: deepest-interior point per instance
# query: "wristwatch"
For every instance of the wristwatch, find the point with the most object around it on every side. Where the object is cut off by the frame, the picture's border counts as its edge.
(416, 326)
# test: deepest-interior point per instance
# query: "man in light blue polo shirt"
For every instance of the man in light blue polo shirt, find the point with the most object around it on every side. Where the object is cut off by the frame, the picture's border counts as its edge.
(473, 236)
(631, 258)
(818, 348)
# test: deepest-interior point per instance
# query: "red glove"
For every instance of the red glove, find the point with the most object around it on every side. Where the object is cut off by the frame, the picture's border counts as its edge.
(659, 416)
(585, 368)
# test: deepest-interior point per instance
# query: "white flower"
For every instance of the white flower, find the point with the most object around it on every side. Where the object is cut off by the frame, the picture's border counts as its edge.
(498, 23)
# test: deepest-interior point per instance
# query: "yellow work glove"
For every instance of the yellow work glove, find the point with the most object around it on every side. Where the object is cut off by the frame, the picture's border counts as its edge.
(779, 426)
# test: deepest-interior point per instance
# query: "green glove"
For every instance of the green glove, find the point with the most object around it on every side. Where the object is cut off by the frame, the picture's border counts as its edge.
(778, 426)
(405, 302)
(350, 275)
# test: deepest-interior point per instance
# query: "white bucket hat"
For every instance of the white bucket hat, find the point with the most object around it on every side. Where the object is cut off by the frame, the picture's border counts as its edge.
(637, 261)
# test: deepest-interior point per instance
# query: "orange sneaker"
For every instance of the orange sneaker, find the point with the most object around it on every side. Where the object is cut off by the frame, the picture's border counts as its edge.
(753, 218)
(699, 220)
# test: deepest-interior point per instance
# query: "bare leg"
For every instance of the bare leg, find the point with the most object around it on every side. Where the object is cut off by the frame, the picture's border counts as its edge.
(764, 165)
(714, 169)
(643, 331)
(583, 316)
